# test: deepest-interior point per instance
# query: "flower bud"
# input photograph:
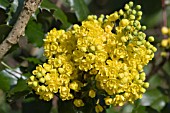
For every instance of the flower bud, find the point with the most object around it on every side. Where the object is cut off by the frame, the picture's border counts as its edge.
(164, 30)
(151, 39)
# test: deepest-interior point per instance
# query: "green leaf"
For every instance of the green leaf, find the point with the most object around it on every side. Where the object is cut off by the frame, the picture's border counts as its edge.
(58, 13)
(3, 16)
(4, 3)
(33, 60)
(154, 98)
(34, 33)
(138, 108)
(19, 87)
(80, 8)
(5, 82)
(4, 32)
(36, 106)
(62, 105)
(20, 90)
(47, 19)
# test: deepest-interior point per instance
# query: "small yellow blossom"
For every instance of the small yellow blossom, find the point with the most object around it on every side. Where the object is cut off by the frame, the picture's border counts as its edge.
(92, 93)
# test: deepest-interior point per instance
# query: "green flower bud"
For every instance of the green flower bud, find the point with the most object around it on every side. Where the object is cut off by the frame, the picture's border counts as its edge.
(121, 12)
(132, 17)
(130, 3)
(139, 13)
(151, 39)
(146, 85)
(126, 7)
(138, 7)
(143, 28)
(134, 12)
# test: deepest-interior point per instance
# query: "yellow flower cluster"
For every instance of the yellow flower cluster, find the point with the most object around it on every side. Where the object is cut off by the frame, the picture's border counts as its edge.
(104, 55)
(165, 43)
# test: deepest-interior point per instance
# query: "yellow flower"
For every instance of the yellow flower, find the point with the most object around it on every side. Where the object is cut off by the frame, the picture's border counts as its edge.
(100, 55)
(98, 108)
(78, 103)
(92, 93)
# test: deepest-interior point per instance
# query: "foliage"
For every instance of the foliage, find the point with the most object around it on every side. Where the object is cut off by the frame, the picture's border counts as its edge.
(21, 60)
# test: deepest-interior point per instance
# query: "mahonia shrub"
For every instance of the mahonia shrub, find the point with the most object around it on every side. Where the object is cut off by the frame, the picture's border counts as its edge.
(103, 56)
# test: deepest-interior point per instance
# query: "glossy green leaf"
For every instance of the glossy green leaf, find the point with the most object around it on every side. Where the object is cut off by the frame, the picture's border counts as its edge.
(46, 19)
(4, 31)
(154, 98)
(20, 86)
(80, 8)
(159, 104)
(4, 3)
(34, 33)
(5, 82)
(58, 13)
(138, 108)
(20, 90)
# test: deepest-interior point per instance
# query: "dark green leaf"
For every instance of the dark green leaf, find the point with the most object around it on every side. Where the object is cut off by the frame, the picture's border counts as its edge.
(3, 16)
(58, 13)
(5, 81)
(62, 105)
(138, 108)
(80, 8)
(21, 86)
(18, 91)
(34, 33)
(36, 106)
(159, 104)
(4, 31)
(46, 19)
(4, 3)
(154, 98)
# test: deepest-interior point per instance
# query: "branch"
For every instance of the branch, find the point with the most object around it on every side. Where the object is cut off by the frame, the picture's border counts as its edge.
(18, 30)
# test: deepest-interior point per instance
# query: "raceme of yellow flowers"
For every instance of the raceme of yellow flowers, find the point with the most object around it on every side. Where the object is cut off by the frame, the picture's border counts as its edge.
(165, 43)
(103, 56)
